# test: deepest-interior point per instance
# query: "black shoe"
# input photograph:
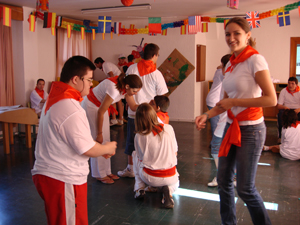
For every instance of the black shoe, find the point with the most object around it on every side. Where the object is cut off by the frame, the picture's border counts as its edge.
(168, 200)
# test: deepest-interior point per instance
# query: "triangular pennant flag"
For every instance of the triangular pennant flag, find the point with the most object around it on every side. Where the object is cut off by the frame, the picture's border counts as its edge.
(94, 34)
(69, 30)
(194, 24)
(284, 18)
(204, 27)
(253, 19)
(225, 22)
(104, 24)
(31, 23)
(82, 33)
(154, 25)
(6, 16)
(53, 31)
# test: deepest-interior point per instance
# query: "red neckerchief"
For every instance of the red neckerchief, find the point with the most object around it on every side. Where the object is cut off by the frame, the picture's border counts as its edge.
(115, 81)
(145, 67)
(130, 63)
(164, 117)
(123, 64)
(233, 135)
(159, 128)
(296, 90)
(60, 91)
(244, 55)
(40, 92)
(295, 124)
(97, 103)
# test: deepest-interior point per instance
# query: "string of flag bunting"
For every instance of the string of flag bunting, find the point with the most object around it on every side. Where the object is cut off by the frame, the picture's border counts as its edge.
(191, 25)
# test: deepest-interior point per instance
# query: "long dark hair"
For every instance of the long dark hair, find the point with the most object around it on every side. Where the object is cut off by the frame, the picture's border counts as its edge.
(133, 80)
(289, 117)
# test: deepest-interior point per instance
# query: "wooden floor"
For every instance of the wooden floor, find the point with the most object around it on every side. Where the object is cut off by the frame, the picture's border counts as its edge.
(278, 182)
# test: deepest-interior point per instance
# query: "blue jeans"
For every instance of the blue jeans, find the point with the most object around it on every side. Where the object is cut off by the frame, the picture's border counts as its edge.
(213, 122)
(215, 144)
(130, 136)
(244, 159)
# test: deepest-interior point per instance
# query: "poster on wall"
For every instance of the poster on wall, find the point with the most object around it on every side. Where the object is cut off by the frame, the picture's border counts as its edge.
(175, 69)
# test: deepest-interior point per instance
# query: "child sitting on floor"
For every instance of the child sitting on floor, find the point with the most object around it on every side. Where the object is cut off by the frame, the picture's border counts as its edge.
(290, 137)
(155, 155)
(161, 104)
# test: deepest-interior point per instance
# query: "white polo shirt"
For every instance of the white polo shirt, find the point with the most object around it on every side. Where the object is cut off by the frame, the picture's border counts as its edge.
(64, 135)
(110, 67)
(153, 84)
(288, 100)
(157, 152)
(290, 143)
(213, 95)
(240, 83)
(35, 100)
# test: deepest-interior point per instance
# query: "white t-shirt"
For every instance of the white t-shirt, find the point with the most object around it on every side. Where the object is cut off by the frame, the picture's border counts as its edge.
(64, 135)
(153, 84)
(157, 152)
(110, 67)
(107, 87)
(213, 95)
(288, 100)
(240, 83)
(222, 120)
(35, 100)
(290, 143)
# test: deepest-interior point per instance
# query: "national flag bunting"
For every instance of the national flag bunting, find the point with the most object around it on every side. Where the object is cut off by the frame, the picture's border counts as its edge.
(94, 34)
(194, 24)
(53, 31)
(6, 16)
(86, 23)
(44, 5)
(104, 24)
(69, 30)
(49, 20)
(164, 32)
(31, 23)
(58, 21)
(117, 27)
(284, 18)
(82, 33)
(154, 24)
(253, 19)
(183, 29)
(204, 27)
(225, 22)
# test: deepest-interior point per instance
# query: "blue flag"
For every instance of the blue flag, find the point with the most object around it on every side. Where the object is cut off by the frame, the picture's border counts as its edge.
(284, 18)
(104, 24)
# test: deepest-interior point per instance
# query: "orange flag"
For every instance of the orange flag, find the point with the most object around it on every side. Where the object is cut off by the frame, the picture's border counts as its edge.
(31, 23)
(82, 33)
(6, 16)
(69, 30)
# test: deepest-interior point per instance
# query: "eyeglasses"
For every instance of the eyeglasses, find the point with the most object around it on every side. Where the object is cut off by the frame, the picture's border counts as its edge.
(88, 79)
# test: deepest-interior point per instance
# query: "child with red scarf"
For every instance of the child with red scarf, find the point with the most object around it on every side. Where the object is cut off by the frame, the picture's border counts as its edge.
(289, 98)
(290, 142)
(160, 104)
(246, 78)
(38, 96)
(155, 155)
(65, 144)
(153, 84)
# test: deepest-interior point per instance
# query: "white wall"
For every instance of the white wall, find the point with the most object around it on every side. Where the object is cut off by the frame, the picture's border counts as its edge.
(34, 57)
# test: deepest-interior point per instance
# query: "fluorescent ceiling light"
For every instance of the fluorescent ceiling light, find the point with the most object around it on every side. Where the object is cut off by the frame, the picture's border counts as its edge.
(116, 8)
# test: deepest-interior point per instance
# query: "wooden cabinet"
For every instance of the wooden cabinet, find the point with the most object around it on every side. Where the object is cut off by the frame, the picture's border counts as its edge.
(270, 113)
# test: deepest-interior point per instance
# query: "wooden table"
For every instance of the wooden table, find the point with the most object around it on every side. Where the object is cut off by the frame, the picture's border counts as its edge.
(21, 115)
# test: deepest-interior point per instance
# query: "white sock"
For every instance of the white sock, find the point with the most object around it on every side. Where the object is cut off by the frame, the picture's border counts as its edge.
(130, 167)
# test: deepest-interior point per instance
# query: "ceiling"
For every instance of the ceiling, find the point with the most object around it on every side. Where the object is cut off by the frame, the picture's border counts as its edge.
(168, 10)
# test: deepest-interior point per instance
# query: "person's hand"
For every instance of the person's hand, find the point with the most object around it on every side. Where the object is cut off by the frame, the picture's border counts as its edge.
(112, 146)
(297, 110)
(200, 121)
(225, 104)
(99, 138)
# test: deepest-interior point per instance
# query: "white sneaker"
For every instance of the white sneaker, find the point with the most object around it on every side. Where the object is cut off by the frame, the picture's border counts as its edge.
(213, 183)
(120, 122)
(139, 194)
(113, 122)
(126, 173)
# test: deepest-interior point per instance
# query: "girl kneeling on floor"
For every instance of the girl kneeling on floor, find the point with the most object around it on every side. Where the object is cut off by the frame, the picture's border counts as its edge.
(155, 155)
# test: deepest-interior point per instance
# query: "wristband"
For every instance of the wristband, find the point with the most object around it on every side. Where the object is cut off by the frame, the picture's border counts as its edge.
(207, 116)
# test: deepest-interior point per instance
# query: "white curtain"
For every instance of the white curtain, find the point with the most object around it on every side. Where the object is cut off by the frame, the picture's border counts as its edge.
(68, 47)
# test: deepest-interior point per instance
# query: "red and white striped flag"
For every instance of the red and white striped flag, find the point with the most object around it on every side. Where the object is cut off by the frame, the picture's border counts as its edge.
(194, 24)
